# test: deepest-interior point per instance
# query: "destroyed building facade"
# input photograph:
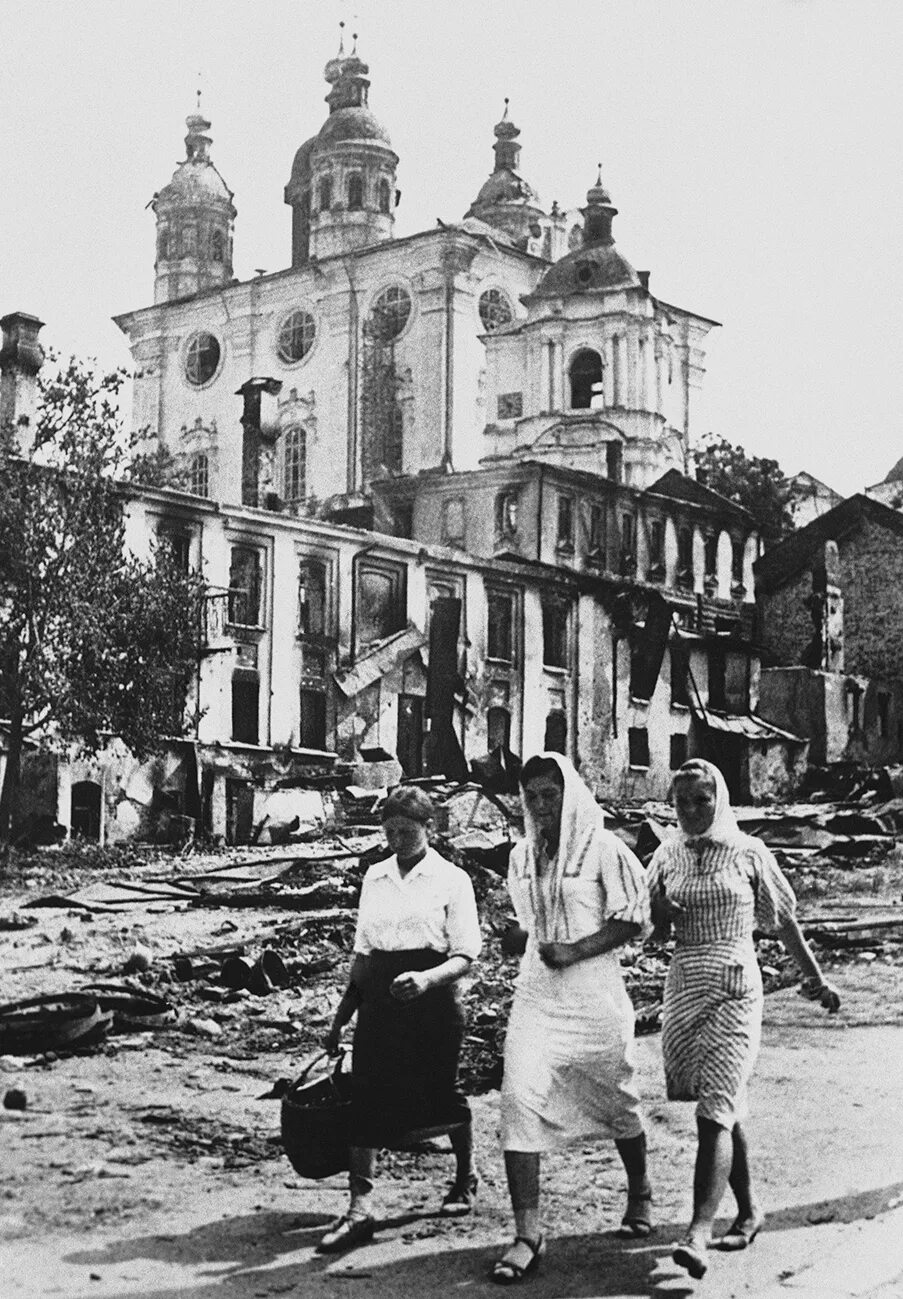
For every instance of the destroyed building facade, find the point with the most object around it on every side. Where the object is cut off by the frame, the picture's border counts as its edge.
(496, 414)
(831, 628)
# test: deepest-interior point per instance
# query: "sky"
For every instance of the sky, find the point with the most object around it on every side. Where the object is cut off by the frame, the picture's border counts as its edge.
(754, 149)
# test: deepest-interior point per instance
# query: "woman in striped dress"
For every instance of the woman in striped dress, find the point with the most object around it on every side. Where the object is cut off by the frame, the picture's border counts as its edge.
(715, 886)
(579, 894)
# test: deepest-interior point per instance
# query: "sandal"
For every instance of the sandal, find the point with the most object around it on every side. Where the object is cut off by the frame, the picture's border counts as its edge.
(741, 1233)
(692, 1257)
(637, 1221)
(505, 1271)
(346, 1232)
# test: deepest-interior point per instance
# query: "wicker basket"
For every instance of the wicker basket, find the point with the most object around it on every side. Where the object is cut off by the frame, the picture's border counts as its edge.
(314, 1121)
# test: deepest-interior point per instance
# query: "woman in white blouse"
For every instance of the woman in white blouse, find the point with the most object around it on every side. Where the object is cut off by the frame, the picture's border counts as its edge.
(579, 894)
(417, 934)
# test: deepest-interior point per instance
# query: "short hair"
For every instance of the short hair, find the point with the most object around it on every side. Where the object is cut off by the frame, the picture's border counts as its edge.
(409, 801)
(538, 766)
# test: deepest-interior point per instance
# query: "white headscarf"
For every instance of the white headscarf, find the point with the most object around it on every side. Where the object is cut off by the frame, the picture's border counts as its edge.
(581, 820)
(724, 828)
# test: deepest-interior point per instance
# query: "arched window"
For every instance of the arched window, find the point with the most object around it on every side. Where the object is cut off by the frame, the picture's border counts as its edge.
(586, 374)
(199, 474)
(218, 246)
(556, 731)
(355, 191)
(294, 465)
(385, 196)
(325, 193)
(163, 245)
(189, 242)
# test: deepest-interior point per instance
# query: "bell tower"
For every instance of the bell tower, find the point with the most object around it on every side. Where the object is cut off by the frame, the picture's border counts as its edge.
(195, 217)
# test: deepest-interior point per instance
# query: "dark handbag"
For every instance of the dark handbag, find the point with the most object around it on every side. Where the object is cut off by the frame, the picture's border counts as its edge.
(314, 1121)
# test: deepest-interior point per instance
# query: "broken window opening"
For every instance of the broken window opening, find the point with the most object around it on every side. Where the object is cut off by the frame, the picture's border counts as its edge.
(656, 571)
(685, 558)
(312, 720)
(218, 246)
(554, 632)
(595, 540)
(498, 727)
(628, 545)
(564, 538)
(176, 545)
(385, 197)
(638, 746)
(556, 735)
(245, 706)
(381, 603)
(680, 675)
(586, 379)
(678, 750)
(382, 420)
(245, 587)
(500, 626)
(311, 598)
(506, 506)
(325, 193)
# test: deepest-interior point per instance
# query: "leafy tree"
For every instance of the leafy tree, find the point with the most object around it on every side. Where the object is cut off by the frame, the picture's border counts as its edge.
(755, 482)
(93, 640)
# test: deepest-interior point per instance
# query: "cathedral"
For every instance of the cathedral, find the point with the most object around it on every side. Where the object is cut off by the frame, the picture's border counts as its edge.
(482, 429)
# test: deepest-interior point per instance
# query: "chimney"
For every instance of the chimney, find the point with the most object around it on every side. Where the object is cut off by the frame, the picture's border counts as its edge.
(21, 357)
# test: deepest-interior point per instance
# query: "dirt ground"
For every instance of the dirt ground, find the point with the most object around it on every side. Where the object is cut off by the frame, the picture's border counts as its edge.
(151, 1165)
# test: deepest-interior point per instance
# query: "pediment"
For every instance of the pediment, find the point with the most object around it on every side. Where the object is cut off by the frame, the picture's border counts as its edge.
(579, 435)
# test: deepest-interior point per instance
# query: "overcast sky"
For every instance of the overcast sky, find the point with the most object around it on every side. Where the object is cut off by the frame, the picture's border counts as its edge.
(753, 150)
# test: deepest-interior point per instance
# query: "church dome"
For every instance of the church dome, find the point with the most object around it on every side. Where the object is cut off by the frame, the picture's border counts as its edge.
(596, 265)
(587, 270)
(506, 201)
(301, 163)
(196, 179)
(351, 124)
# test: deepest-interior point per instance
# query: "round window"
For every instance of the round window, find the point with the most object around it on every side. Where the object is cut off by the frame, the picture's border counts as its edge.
(390, 313)
(201, 359)
(296, 336)
(495, 310)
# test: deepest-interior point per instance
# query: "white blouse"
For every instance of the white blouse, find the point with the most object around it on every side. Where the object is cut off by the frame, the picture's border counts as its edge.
(431, 906)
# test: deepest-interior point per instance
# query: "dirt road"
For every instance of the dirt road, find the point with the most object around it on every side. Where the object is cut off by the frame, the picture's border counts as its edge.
(155, 1173)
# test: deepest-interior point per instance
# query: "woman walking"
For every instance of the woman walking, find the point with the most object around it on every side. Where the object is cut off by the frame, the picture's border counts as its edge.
(417, 934)
(715, 885)
(578, 895)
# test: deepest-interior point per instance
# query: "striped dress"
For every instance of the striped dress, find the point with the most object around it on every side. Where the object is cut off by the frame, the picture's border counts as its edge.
(712, 1017)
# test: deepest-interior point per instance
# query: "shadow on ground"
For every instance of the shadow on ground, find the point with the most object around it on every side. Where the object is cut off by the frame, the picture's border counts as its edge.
(241, 1257)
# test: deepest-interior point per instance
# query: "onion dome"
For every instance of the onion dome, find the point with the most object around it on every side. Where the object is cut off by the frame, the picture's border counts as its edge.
(596, 265)
(506, 201)
(342, 188)
(195, 215)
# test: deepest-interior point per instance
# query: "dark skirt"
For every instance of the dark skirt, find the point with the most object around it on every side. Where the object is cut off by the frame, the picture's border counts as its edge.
(405, 1059)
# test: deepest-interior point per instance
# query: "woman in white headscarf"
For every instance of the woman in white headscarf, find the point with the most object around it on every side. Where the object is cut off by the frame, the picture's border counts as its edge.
(578, 895)
(715, 885)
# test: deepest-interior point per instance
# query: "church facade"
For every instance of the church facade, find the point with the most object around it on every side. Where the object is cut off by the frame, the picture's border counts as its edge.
(492, 417)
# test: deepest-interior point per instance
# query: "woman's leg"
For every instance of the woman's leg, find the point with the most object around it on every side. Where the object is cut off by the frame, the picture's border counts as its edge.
(749, 1215)
(361, 1168)
(637, 1220)
(462, 1144)
(714, 1158)
(633, 1156)
(522, 1170)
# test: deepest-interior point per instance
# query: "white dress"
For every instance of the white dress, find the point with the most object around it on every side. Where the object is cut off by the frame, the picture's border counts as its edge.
(569, 1066)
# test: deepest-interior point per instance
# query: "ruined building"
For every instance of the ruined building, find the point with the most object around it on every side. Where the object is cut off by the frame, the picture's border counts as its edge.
(487, 422)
